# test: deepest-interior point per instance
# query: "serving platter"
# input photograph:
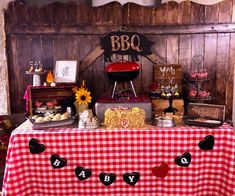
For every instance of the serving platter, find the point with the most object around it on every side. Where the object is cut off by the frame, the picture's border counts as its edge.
(51, 124)
(203, 123)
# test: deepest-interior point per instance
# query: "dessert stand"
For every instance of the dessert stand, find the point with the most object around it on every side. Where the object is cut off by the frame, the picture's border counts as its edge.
(170, 109)
(36, 76)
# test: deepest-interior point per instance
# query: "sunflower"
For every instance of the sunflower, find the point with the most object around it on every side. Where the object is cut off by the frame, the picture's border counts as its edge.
(83, 96)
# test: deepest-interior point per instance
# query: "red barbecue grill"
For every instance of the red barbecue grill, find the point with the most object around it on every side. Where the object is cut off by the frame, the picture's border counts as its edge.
(122, 72)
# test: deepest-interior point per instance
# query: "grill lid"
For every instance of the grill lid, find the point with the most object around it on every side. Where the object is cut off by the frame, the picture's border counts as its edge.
(122, 67)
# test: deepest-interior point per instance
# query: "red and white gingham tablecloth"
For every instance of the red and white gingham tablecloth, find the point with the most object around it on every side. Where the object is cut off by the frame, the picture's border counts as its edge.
(210, 173)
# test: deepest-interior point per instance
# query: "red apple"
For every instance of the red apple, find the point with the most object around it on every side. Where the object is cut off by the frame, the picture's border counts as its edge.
(193, 75)
(50, 104)
(38, 104)
(192, 93)
(55, 102)
(205, 74)
(200, 75)
(202, 94)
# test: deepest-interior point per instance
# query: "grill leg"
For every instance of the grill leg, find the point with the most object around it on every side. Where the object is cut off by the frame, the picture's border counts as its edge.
(114, 88)
(132, 86)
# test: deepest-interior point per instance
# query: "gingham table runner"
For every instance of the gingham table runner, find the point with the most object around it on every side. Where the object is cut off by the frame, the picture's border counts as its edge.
(210, 173)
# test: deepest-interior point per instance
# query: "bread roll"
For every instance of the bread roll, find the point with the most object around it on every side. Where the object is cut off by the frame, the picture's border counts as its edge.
(35, 117)
(56, 118)
(39, 120)
(47, 119)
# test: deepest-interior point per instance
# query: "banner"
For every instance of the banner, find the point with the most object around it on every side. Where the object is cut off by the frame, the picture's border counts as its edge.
(205, 2)
(96, 3)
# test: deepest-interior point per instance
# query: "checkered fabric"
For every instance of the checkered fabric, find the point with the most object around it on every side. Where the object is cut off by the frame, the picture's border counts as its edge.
(210, 173)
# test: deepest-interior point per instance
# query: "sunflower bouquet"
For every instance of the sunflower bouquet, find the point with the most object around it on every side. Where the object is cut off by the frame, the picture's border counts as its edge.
(82, 97)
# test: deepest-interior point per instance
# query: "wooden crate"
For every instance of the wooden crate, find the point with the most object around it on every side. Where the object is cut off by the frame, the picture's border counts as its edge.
(45, 94)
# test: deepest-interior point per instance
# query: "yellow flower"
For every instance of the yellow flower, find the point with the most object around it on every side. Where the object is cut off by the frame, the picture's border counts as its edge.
(82, 96)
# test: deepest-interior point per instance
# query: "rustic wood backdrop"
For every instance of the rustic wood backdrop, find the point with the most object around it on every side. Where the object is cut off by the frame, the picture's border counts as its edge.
(61, 31)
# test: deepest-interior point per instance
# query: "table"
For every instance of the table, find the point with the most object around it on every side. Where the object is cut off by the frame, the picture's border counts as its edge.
(151, 152)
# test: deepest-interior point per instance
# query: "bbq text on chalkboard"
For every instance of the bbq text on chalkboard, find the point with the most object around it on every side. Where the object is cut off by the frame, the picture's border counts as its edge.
(125, 43)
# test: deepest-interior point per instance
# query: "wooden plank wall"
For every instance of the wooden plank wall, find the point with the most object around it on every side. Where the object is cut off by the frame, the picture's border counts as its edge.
(70, 31)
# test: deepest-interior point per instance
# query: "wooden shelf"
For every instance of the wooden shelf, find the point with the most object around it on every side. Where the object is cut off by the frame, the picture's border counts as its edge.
(199, 99)
(199, 80)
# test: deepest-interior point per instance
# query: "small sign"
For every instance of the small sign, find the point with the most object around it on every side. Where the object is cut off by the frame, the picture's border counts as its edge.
(168, 77)
(66, 71)
(125, 43)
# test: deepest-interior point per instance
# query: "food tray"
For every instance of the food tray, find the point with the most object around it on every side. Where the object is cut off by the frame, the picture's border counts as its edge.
(207, 115)
(51, 124)
(203, 123)
(206, 111)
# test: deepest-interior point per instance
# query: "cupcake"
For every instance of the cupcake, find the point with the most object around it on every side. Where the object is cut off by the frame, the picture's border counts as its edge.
(42, 109)
(58, 107)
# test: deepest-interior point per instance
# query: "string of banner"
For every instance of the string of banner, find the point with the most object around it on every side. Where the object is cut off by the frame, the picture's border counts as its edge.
(82, 173)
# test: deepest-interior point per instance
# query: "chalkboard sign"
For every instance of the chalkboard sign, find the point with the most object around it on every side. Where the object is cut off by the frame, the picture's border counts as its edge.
(168, 77)
(125, 43)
